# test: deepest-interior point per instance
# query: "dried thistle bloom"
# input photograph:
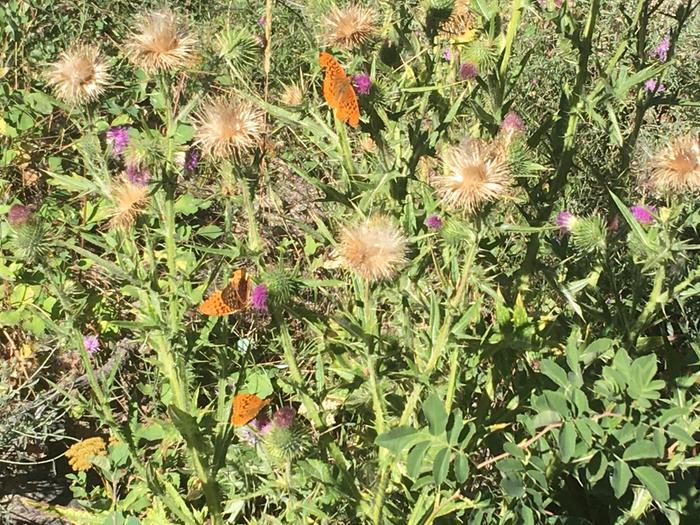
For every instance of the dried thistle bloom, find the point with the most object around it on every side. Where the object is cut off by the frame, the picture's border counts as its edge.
(292, 95)
(79, 75)
(373, 248)
(349, 26)
(228, 126)
(128, 200)
(80, 455)
(677, 166)
(161, 43)
(473, 173)
(368, 145)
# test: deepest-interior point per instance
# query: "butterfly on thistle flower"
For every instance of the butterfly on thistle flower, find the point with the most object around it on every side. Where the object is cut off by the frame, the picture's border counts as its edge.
(245, 408)
(235, 297)
(338, 90)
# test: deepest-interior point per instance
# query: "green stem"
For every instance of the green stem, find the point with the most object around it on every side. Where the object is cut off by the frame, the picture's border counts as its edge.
(452, 379)
(254, 242)
(515, 12)
(650, 307)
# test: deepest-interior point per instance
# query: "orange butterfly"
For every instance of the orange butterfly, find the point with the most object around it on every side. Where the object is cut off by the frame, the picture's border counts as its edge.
(245, 408)
(338, 91)
(234, 298)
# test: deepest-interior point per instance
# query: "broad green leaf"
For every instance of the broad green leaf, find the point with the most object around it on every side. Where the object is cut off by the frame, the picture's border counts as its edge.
(513, 487)
(679, 433)
(554, 372)
(654, 481)
(397, 438)
(621, 477)
(434, 412)
(567, 441)
(441, 466)
(415, 458)
(640, 450)
(461, 466)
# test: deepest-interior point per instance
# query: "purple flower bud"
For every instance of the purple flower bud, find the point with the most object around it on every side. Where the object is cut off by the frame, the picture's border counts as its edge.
(654, 86)
(468, 71)
(91, 344)
(250, 433)
(18, 215)
(284, 417)
(261, 21)
(661, 50)
(258, 297)
(362, 83)
(137, 175)
(447, 54)
(512, 123)
(118, 138)
(433, 222)
(566, 221)
(643, 214)
(191, 160)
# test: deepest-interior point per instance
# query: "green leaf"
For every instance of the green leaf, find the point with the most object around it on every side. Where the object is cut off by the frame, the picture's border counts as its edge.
(681, 435)
(513, 487)
(461, 467)
(414, 460)
(554, 372)
(596, 349)
(397, 438)
(567, 441)
(441, 466)
(621, 477)
(640, 450)
(434, 411)
(654, 482)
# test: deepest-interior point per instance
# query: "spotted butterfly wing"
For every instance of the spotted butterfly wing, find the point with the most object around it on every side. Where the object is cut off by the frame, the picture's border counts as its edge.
(338, 91)
(245, 408)
(234, 298)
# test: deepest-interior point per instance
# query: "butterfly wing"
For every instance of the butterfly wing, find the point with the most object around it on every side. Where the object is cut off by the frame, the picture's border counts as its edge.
(234, 298)
(338, 90)
(246, 407)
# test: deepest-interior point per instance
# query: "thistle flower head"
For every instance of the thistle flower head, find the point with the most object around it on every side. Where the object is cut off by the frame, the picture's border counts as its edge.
(654, 86)
(677, 166)
(283, 440)
(373, 248)
(91, 343)
(566, 221)
(468, 71)
(18, 215)
(258, 298)
(292, 95)
(512, 123)
(349, 26)
(643, 214)
(362, 83)
(118, 139)
(160, 42)
(81, 454)
(473, 173)
(227, 126)
(128, 200)
(137, 174)
(79, 75)
(433, 222)
(661, 50)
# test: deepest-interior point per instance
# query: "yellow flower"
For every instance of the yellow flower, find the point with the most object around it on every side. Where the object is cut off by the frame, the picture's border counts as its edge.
(677, 166)
(80, 455)
(374, 248)
(79, 75)
(473, 173)
(228, 126)
(161, 43)
(348, 27)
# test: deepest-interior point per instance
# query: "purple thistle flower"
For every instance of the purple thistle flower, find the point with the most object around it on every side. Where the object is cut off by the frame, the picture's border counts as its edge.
(566, 221)
(643, 214)
(18, 215)
(261, 21)
(512, 123)
(433, 222)
(654, 86)
(447, 54)
(284, 417)
(661, 50)
(191, 160)
(258, 297)
(362, 83)
(137, 175)
(251, 432)
(118, 138)
(91, 344)
(468, 71)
